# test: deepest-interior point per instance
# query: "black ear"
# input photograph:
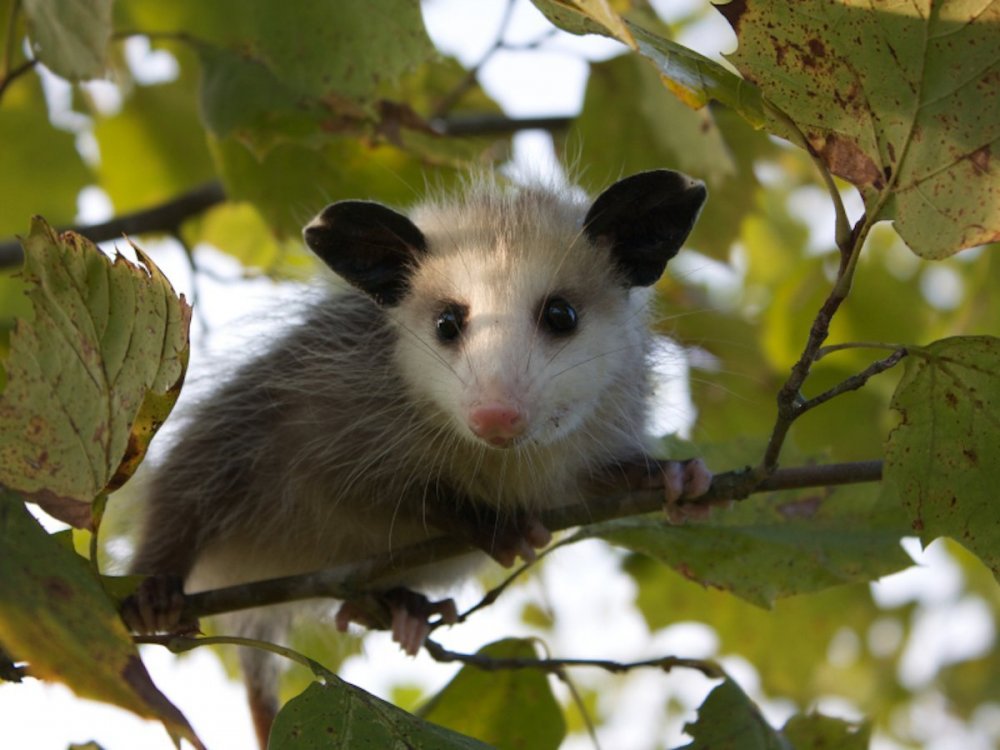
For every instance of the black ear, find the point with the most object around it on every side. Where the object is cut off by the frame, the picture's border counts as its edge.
(645, 219)
(371, 246)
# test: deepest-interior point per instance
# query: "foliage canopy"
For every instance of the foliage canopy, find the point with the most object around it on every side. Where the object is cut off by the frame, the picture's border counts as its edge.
(275, 109)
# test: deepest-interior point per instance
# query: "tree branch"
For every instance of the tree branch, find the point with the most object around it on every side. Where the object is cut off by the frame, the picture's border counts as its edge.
(556, 666)
(166, 217)
(350, 580)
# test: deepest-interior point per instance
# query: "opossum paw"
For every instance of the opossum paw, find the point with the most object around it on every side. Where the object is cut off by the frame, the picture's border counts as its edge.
(687, 480)
(157, 606)
(520, 536)
(409, 616)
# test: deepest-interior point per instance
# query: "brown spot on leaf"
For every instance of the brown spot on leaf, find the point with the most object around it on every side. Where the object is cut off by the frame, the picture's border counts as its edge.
(971, 455)
(57, 588)
(845, 159)
(951, 400)
(980, 159)
(816, 48)
(917, 525)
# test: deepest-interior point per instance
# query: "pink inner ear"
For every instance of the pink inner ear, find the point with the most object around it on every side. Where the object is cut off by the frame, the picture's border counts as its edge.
(497, 423)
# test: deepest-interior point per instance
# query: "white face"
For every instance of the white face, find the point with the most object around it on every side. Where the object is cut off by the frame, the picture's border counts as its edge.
(515, 337)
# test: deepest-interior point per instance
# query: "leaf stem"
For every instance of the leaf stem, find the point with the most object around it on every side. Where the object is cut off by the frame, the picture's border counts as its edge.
(843, 224)
(180, 643)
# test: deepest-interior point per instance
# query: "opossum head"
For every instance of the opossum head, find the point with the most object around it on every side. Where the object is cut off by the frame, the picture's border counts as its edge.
(519, 311)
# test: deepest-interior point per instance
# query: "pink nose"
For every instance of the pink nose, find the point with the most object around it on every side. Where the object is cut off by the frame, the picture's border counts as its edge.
(498, 424)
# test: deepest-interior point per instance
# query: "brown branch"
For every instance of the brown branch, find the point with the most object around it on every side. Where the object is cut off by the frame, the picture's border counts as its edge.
(350, 580)
(791, 403)
(166, 217)
(556, 666)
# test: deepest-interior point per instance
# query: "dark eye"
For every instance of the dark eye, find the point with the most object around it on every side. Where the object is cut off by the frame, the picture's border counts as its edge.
(558, 315)
(450, 322)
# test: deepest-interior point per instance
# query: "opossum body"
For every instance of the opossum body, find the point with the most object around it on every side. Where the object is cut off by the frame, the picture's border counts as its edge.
(490, 363)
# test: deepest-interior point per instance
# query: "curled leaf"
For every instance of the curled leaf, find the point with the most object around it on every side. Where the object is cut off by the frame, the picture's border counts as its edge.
(92, 377)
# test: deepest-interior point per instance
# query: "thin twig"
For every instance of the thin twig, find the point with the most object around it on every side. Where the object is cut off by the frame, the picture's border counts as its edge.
(490, 664)
(855, 381)
(790, 398)
(16, 73)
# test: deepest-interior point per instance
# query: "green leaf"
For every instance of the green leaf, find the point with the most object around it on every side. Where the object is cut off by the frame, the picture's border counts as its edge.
(55, 616)
(943, 459)
(729, 720)
(635, 140)
(338, 715)
(771, 546)
(292, 183)
(40, 169)
(818, 732)
(901, 101)
(761, 563)
(174, 159)
(481, 703)
(274, 71)
(92, 377)
(693, 78)
(237, 228)
(70, 36)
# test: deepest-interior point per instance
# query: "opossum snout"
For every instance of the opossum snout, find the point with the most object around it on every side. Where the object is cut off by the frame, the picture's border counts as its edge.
(497, 423)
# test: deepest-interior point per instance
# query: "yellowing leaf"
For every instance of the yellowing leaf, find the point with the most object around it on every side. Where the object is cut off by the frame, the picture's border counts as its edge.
(92, 376)
(692, 77)
(901, 99)
(70, 36)
(480, 703)
(55, 616)
(944, 456)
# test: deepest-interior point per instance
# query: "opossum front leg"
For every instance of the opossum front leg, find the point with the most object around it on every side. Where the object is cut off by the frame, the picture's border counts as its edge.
(157, 606)
(406, 613)
(680, 481)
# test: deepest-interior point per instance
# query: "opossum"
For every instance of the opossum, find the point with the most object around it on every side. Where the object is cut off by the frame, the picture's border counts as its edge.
(490, 361)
